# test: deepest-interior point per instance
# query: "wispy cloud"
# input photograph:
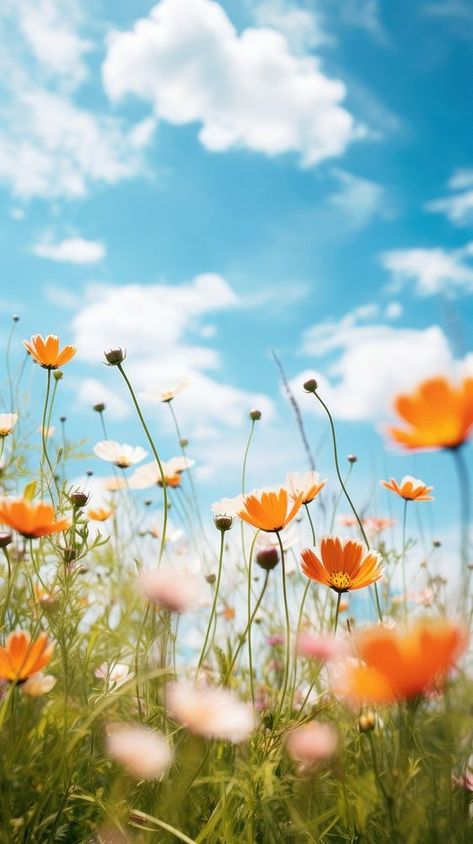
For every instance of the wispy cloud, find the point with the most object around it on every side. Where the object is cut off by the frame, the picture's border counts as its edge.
(432, 271)
(72, 250)
(458, 205)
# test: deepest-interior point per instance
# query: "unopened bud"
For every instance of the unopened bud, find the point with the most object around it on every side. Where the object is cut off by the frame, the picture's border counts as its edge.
(223, 522)
(148, 502)
(58, 375)
(115, 356)
(352, 458)
(268, 558)
(70, 555)
(367, 722)
(255, 415)
(183, 442)
(62, 419)
(211, 578)
(310, 386)
(89, 473)
(436, 543)
(78, 499)
(5, 538)
(15, 318)
(99, 407)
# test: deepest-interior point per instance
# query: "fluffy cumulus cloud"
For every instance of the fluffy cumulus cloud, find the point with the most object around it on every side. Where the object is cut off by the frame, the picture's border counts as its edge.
(458, 204)
(161, 327)
(72, 250)
(432, 271)
(246, 90)
(50, 146)
(361, 363)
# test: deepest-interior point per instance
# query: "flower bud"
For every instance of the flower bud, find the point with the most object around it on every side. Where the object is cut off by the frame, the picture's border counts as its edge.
(115, 356)
(78, 499)
(310, 386)
(5, 538)
(58, 375)
(367, 722)
(268, 558)
(211, 578)
(99, 407)
(255, 415)
(223, 522)
(352, 458)
(63, 419)
(69, 555)
(15, 318)
(183, 442)
(436, 543)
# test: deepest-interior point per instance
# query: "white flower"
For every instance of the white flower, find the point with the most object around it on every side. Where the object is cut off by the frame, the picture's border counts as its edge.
(114, 673)
(144, 752)
(38, 684)
(308, 483)
(228, 506)
(177, 590)
(7, 423)
(121, 455)
(210, 712)
(48, 432)
(165, 392)
(150, 475)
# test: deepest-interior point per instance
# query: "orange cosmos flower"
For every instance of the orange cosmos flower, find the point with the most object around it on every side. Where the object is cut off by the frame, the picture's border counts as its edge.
(438, 415)
(410, 489)
(99, 514)
(31, 519)
(270, 511)
(309, 483)
(20, 658)
(343, 564)
(402, 666)
(47, 353)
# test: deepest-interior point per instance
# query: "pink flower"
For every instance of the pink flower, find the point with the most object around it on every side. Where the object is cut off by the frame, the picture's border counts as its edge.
(210, 712)
(144, 752)
(324, 648)
(276, 639)
(173, 589)
(311, 744)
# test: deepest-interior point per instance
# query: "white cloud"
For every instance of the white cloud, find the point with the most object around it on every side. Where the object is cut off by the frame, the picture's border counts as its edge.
(91, 391)
(247, 90)
(361, 364)
(458, 207)
(158, 325)
(72, 250)
(432, 270)
(358, 199)
(303, 27)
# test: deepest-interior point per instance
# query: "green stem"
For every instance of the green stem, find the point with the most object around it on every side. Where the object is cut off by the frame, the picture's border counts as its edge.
(44, 437)
(306, 507)
(156, 457)
(403, 558)
(214, 603)
(288, 632)
(337, 612)
(337, 500)
(7, 362)
(465, 513)
(346, 493)
(243, 483)
(247, 628)
(189, 473)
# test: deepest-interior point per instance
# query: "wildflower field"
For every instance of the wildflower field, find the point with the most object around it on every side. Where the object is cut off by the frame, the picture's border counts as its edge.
(184, 675)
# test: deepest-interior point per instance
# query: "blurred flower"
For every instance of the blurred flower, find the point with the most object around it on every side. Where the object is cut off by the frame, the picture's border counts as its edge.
(144, 752)
(322, 647)
(402, 666)
(31, 519)
(38, 685)
(46, 351)
(307, 483)
(311, 744)
(343, 565)
(113, 484)
(7, 423)
(228, 506)
(270, 510)
(47, 431)
(20, 657)
(276, 639)
(166, 392)
(46, 598)
(114, 673)
(150, 475)
(438, 415)
(372, 524)
(465, 780)
(210, 712)
(121, 455)
(176, 590)
(99, 514)
(410, 489)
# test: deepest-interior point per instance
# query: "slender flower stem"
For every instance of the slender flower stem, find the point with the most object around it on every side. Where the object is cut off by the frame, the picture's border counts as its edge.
(188, 471)
(156, 457)
(301, 608)
(44, 437)
(288, 632)
(214, 603)
(337, 612)
(250, 651)
(346, 493)
(247, 628)
(337, 500)
(403, 557)
(243, 483)
(306, 508)
(465, 509)
(7, 362)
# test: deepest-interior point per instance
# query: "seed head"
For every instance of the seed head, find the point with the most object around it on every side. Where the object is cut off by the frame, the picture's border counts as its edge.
(223, 522)
(99, 407)
(352, 458)
(268, 558)
(115, 356)
(78, 499)
(255, 415)
(311, 385)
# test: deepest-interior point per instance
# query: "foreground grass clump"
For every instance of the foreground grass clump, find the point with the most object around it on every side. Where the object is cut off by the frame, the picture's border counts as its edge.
(165, 677)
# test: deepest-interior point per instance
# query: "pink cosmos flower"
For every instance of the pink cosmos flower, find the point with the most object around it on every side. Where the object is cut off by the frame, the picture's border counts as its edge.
(144, 752)
(173, 589)
(311, 744)
(324, 648)
(210, 712)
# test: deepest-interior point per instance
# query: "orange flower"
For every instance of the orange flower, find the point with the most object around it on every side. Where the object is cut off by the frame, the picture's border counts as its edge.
(99, 514)
(410, 489)
(270, 511)
(31, 519)
(20, 658)
(402, 666)
(438, 415)
(46, 352)
(343, 564)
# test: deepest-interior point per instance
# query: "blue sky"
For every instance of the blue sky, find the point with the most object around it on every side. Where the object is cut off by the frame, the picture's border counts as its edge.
(204, 182)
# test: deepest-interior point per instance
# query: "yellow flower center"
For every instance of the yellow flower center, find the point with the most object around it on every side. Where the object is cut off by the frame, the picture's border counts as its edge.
(340, 581)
